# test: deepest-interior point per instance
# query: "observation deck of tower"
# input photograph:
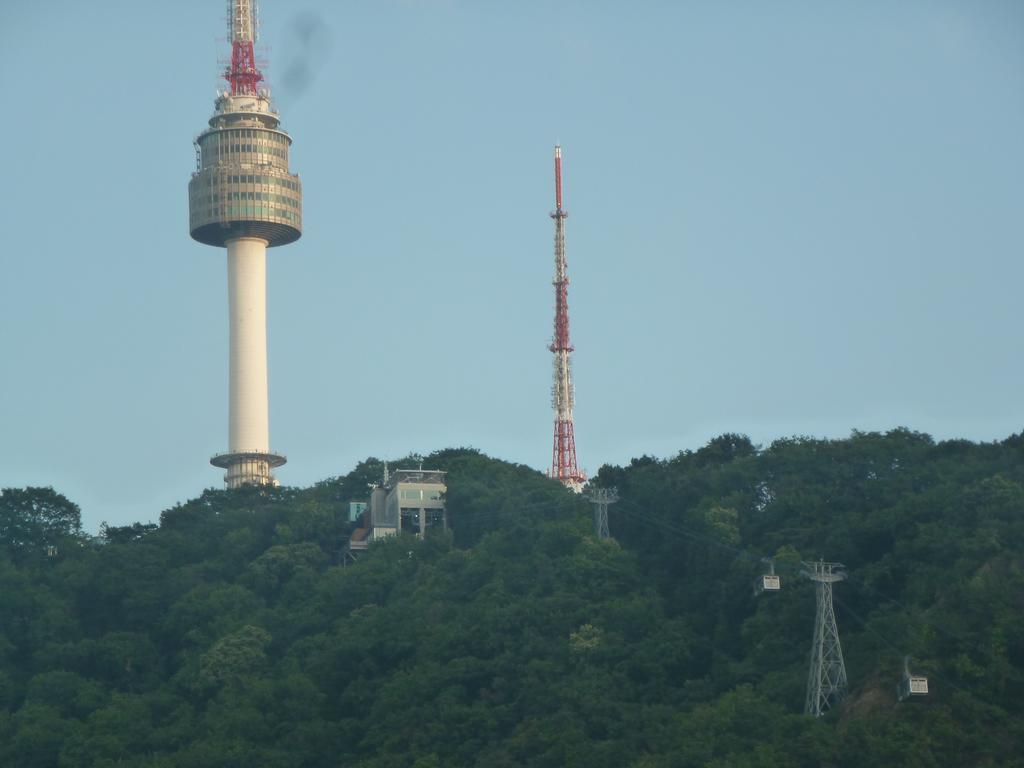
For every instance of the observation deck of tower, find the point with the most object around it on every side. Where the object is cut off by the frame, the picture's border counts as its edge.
(243, 197)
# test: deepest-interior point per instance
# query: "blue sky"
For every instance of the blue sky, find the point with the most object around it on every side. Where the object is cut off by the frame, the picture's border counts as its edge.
(785, 218)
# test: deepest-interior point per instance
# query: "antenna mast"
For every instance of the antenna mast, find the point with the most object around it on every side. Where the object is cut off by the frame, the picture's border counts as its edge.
(242, 74)
(563, 454)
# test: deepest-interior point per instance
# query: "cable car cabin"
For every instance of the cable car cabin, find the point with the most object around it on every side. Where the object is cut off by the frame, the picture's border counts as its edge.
(769, 582)
(913, 685)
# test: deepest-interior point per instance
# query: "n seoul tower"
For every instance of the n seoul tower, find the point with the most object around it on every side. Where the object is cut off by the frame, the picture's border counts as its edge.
(243, 197)
(563, 454)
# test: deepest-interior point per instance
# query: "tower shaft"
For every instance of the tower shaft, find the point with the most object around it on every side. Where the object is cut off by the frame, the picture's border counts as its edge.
(826, 679)
(248, 424)
(563, 452)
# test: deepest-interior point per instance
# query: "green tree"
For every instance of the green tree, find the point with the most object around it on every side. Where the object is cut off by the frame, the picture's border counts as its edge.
(33, 519)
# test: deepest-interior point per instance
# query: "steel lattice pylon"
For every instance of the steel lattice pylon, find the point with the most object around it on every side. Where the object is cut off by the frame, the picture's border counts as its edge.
(826, 680)
(601, 498)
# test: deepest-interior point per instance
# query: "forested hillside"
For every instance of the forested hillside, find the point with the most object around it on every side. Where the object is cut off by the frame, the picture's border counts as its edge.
(229, 636)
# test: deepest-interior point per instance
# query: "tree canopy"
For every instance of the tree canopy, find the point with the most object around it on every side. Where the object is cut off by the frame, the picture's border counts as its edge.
(231, 634)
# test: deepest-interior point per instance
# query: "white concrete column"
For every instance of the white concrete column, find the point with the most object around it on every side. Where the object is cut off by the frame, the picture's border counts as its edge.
(248, 408)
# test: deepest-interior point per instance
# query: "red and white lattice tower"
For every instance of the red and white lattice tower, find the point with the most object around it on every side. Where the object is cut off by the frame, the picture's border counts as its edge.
(563, 454)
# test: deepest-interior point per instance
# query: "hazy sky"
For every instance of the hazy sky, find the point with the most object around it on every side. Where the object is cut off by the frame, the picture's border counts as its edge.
(785, 218)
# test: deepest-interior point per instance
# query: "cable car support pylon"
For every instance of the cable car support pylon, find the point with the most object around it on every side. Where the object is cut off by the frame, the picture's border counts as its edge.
(826, 680)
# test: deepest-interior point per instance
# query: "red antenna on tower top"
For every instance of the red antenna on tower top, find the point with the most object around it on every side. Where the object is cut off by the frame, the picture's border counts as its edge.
(558, 181)
(242, 74)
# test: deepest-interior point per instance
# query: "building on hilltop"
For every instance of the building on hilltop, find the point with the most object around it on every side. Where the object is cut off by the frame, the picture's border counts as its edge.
(411, 500)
